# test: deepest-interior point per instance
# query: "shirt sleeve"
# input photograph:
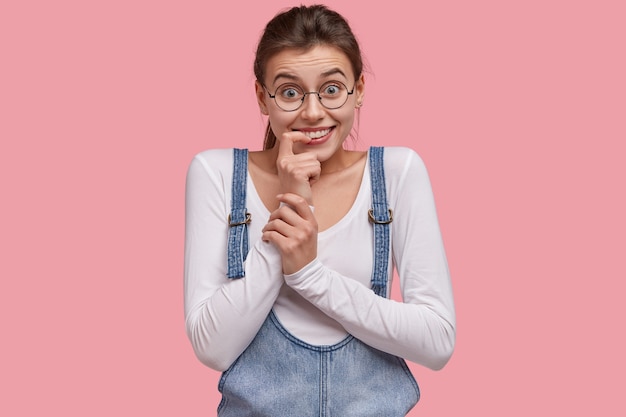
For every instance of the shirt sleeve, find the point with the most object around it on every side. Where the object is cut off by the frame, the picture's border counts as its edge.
(422, 327)
(222, 315)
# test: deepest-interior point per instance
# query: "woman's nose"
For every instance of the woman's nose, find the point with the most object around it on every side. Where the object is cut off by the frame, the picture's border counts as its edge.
(312, 106)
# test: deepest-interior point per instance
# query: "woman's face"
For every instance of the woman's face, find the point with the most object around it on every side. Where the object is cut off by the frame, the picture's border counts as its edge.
(311, 70)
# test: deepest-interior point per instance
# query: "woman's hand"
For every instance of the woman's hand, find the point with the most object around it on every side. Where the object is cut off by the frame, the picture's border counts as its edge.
(292, 228)
(297, 172)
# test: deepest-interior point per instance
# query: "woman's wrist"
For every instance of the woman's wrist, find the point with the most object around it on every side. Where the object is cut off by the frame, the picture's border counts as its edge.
(302, 272)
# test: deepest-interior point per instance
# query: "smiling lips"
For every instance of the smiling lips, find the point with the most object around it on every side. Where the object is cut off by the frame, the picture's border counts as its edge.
(316, 134)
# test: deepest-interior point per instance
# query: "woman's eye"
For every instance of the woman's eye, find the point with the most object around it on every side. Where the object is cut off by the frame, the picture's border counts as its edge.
(331, 90)
(290, 93)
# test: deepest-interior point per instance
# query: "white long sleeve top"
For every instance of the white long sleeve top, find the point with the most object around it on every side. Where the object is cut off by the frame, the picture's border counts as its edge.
(331, 296)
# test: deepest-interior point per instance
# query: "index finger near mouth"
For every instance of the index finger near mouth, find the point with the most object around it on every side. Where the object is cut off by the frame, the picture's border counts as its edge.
(288, 139)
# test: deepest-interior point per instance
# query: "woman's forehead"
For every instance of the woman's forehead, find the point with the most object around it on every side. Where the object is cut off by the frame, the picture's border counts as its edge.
(312, 64)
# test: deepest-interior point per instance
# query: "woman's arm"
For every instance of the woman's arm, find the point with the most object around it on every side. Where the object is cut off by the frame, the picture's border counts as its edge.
(422, 328)
(222, 316)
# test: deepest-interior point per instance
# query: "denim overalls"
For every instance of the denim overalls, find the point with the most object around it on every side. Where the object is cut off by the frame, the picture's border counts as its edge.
(280, 375)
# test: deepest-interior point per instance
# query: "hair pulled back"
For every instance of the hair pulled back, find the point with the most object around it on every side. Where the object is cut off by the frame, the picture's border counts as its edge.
(304, 27)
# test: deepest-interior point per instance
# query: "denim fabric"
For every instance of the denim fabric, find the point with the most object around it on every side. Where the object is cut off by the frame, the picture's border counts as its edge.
(280, 375)
(238, 231)
(381, 215)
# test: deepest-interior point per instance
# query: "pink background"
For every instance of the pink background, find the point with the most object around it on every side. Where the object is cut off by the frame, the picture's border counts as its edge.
(518, 109)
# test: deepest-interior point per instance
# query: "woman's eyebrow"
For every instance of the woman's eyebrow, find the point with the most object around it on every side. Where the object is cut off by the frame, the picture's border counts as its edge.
(285, 75)
(333, 71)
(293, 77)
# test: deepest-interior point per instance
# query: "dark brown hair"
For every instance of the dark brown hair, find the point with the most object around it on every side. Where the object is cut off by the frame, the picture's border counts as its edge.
(304, 27)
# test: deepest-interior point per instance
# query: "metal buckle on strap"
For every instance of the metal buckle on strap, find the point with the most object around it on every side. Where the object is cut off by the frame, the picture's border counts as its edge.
(246, 221)
(370, 213)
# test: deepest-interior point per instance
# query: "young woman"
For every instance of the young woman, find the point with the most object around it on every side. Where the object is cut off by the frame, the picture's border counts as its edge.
(290, 251)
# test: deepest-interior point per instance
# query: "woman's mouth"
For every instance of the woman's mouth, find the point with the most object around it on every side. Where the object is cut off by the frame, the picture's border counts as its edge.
(317, 136)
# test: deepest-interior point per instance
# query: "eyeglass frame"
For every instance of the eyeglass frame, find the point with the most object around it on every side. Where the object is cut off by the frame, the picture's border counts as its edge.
(304, 94)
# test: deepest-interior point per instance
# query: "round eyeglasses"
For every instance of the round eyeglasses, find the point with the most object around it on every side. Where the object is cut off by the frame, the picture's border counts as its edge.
(290, 96)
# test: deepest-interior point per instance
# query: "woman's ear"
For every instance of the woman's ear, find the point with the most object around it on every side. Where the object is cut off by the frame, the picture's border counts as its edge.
(359, 90)
(261, 97)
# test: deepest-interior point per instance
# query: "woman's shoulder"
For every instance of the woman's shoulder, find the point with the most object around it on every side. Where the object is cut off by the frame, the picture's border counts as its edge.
(212, 162)
(405, 173)
(215, 155)
(400, 153)
(399, 159)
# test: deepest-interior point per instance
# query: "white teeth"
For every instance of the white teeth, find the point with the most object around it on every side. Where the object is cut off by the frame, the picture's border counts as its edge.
(317, 134)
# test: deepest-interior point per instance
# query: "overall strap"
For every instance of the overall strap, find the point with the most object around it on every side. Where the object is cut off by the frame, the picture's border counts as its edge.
(380, 215)
(239, 218)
